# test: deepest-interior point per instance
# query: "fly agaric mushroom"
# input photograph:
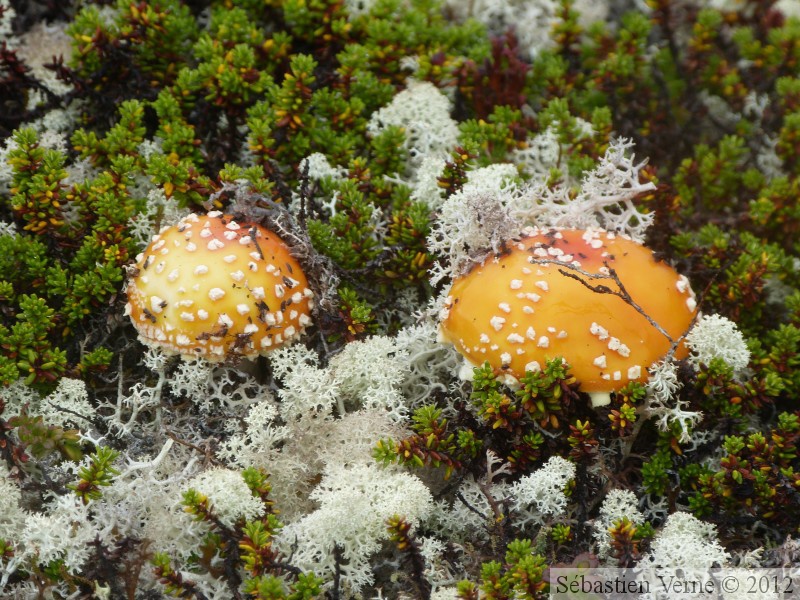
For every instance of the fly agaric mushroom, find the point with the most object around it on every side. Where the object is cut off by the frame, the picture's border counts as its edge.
(557, 292)
(210, 287)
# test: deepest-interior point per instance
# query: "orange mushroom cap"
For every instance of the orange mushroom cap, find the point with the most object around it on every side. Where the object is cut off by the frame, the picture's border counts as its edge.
(525, 306)
(210, 287)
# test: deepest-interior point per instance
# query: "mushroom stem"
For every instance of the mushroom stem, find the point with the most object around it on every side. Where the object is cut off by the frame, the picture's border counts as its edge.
(600, 399)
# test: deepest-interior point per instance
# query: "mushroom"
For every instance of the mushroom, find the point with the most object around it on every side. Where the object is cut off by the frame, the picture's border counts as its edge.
(212, 287)
(595, 298)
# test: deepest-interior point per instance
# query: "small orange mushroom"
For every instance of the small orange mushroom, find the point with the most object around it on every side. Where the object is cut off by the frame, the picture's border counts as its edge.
(557, 292)
(210, 287)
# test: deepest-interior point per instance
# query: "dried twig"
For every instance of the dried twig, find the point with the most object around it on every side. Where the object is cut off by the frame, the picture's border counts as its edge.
(621, 293)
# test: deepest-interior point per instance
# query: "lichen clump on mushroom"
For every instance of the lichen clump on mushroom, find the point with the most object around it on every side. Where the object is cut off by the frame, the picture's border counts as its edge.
(556, 292)
(212, 287)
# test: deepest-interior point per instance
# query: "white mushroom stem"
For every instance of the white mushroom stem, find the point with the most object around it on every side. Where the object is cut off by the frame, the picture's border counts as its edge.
(600, 398)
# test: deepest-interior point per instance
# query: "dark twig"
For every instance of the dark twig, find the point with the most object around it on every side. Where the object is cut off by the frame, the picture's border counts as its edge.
(469, 506)
(338, 556)
(622, 293)
(206, 452)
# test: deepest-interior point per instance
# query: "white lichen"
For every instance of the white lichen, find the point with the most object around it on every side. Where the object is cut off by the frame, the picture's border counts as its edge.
(715, 336)
(354, 504)
(790, 8)
(318, 167)
(7, 15)
(618, 504)
(538, 16)
(369, 374)
(423, 112)
(159, 212)
(63, 532)
(542, 153)
(12, 521)
(685, 542)
(475, 220)
(425, 186)
(542, 493)
(229, 498)
(427, 362)
(67, 406)
(665, 404)
(37, 47)
(306, 387)
(492, 209)
(604, 200)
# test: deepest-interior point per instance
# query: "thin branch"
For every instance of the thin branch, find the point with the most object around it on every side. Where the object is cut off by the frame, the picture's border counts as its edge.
(206, 452)
(496, 508)
(338, 557)
(469, 506)
(622, 293)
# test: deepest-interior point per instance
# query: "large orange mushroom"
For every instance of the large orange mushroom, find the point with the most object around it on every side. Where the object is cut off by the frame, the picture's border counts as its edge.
(595, 298)
(211, 287)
